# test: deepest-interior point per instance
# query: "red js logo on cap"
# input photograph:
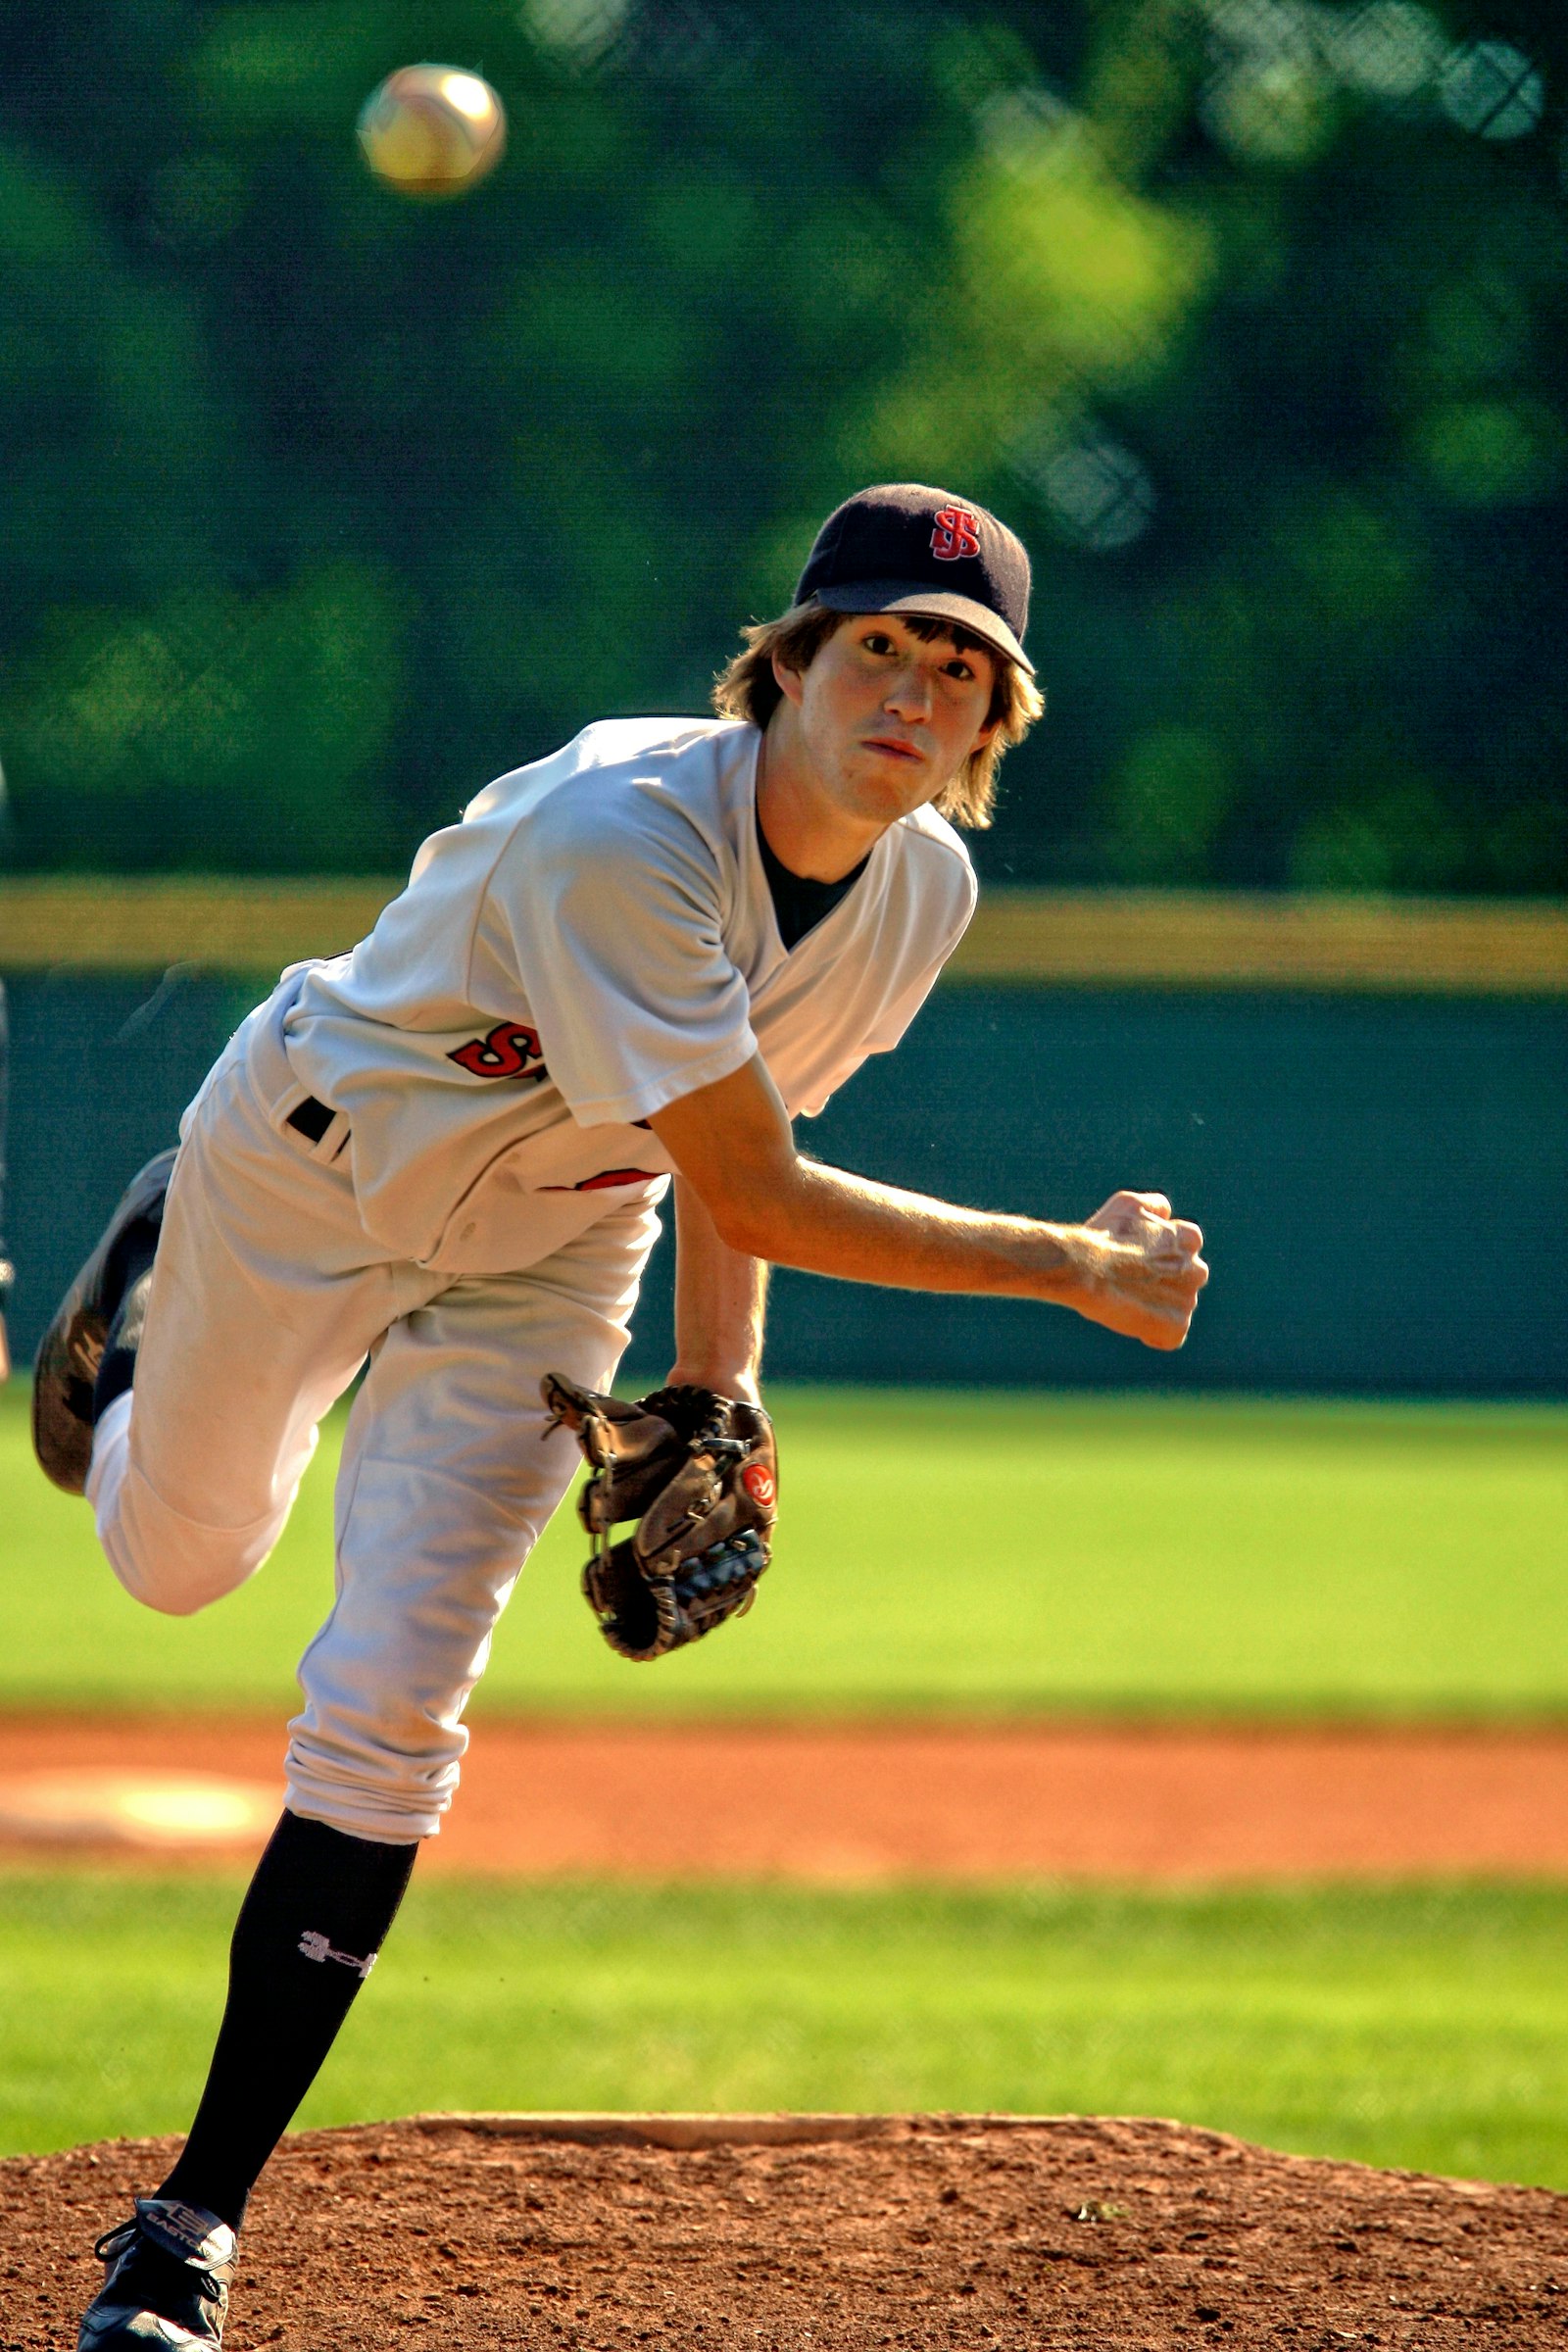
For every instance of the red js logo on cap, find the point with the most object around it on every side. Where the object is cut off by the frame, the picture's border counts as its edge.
(956, 533)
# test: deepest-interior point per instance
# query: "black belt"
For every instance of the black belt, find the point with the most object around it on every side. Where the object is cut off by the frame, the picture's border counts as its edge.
(312, 1118)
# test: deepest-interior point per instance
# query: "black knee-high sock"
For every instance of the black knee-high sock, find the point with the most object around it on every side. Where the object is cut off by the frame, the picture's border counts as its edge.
(309, 1929)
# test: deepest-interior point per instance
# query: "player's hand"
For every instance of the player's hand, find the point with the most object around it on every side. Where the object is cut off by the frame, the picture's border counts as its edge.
(1142, 1270)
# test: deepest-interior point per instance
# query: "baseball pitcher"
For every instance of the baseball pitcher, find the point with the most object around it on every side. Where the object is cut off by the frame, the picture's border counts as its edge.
(632, 966)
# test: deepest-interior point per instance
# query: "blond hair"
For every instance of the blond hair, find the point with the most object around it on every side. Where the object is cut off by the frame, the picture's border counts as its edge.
(748, 689)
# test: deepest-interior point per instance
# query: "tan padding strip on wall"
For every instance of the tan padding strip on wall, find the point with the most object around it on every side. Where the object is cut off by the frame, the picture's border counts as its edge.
(1140, 938)
(1250, 940)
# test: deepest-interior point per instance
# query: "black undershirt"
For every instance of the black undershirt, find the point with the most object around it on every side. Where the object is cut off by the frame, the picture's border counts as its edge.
(799, 903)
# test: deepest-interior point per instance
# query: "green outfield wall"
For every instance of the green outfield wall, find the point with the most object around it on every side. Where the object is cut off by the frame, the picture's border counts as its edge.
(1365, 1106)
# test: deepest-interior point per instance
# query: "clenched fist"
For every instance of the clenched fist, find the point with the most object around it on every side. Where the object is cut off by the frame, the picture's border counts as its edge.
(1142, 1269)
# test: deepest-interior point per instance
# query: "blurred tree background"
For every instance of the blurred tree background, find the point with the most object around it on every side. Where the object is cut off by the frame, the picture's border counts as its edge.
(320, 507)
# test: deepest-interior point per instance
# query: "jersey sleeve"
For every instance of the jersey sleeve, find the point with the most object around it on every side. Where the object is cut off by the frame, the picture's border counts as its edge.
(614, 902)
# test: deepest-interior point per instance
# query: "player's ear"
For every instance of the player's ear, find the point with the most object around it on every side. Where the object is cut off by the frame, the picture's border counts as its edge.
(791, 683)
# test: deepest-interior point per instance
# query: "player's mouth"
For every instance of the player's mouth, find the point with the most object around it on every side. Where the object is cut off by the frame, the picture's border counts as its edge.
(896, 747)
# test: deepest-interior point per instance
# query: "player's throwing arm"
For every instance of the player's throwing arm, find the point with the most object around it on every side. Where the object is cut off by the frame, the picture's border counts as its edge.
(1133, 1266)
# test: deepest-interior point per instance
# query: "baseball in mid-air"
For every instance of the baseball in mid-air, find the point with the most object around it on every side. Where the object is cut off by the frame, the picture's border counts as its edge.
(432, 131)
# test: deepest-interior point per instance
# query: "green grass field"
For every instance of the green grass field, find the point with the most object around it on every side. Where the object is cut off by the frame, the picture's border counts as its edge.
(937, 1553)
(1415, 2026)
(970, 1554)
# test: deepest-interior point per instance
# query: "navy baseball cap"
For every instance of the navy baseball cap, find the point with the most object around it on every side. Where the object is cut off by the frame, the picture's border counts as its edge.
(907, 548)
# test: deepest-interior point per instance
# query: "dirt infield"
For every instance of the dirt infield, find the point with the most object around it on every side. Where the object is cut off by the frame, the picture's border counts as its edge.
(937, 2233)
(862, 1804)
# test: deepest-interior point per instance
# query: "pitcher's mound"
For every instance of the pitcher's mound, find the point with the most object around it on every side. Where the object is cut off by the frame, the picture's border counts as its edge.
(818, 2234)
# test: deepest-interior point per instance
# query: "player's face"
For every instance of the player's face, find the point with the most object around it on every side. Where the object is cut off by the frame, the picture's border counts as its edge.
(889, 719)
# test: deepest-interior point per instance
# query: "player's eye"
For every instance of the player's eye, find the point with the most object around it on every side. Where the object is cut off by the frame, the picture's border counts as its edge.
(877, 641)
(958, 669)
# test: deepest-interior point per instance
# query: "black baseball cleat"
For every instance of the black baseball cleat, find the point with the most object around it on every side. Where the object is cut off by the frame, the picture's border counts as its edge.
(166, 2283)
(72, 1348)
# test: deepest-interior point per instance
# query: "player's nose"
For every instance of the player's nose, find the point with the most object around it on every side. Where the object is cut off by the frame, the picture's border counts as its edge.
(909, 694)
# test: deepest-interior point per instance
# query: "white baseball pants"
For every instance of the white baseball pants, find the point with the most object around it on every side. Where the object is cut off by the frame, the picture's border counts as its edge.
(267, 1297)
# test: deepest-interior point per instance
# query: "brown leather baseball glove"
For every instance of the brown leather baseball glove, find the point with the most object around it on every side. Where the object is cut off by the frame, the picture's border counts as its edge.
(699, 1474)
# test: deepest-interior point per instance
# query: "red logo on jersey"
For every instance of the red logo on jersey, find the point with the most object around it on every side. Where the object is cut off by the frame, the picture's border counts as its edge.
(507, 1052)
(956, 533)
(758, 1480)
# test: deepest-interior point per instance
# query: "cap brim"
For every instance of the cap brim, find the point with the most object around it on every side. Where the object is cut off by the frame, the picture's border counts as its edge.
(926, 604)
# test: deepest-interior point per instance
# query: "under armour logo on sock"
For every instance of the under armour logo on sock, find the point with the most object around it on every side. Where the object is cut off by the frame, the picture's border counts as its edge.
(315, 1947)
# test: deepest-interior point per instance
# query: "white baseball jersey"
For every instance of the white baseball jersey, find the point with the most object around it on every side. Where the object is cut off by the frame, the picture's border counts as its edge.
(593, 941)
(596, 939)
